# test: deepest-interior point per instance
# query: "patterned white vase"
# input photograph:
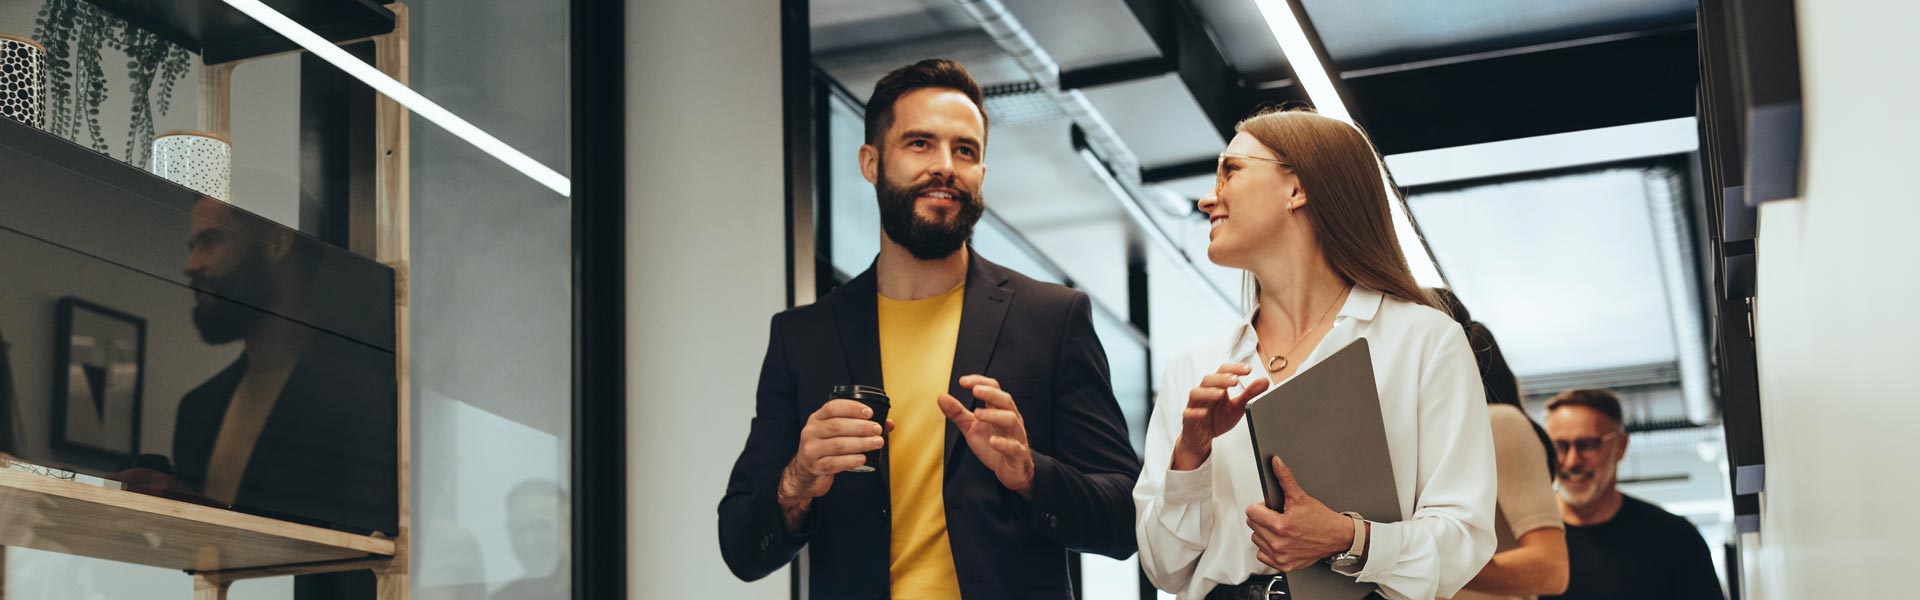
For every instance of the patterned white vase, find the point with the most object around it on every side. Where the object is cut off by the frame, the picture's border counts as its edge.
(198, 161)
(23, 80)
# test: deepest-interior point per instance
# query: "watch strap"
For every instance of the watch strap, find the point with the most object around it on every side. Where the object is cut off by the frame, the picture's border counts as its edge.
(1359, 534)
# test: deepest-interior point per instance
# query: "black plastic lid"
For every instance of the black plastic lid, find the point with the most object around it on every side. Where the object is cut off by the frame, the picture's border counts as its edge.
(859, 392)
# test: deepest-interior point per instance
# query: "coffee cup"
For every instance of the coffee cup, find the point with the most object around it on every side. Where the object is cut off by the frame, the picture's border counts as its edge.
(875, 399)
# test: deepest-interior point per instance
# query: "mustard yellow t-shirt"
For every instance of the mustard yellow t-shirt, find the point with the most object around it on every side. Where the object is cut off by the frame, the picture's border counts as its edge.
(916, 361)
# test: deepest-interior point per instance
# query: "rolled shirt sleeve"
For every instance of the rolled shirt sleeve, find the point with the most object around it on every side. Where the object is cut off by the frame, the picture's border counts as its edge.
(1173, 509)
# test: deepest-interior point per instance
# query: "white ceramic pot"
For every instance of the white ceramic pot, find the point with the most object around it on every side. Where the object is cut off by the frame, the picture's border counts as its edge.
(198, 161)
(23, 80)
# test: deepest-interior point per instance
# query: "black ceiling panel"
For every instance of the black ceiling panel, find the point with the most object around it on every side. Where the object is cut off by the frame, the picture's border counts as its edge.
(1361, 34)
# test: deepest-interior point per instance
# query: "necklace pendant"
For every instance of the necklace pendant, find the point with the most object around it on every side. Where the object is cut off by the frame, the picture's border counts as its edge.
(1276, 364)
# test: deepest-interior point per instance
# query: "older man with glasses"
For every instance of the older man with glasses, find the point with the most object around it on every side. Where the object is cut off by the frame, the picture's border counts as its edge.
(1618, 546)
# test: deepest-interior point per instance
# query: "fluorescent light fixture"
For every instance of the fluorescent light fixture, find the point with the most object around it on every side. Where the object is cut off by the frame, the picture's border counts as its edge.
(1312, 76)
(399, 92)
(1307, 69)
(1540, 153)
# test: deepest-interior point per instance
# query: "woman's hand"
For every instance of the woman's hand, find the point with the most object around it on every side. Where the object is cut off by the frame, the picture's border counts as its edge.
(1307, 532)
(1211, 411)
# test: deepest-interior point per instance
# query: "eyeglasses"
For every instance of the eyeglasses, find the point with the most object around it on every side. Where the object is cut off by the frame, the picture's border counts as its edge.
(1220, 166)
(1583, 445)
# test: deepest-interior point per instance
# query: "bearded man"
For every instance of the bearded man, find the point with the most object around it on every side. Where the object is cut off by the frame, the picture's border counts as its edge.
(1003, 449)
(1618, 546)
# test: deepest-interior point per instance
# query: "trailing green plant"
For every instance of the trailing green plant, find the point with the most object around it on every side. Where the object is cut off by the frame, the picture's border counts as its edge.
(74, 33)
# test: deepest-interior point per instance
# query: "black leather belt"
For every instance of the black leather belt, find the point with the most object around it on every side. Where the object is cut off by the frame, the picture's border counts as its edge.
(1261, 587)
(1257, 587)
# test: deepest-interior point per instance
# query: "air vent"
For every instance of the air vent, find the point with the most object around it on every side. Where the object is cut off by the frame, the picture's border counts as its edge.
(1020, 103)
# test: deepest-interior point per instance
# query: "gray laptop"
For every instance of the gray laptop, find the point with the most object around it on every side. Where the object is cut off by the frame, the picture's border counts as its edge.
(1325, 423)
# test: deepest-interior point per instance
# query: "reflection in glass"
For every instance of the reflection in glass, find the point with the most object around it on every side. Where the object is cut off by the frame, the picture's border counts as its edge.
(537, 512)
(230, 398)
(231, 344)
(303, 421)
(491, 303)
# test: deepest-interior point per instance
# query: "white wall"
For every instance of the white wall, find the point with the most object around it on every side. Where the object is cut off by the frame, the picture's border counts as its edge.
(705, 271)
(1836, 319)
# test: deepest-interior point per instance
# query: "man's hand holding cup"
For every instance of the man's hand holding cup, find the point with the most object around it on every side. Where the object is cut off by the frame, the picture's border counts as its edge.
(835, 439)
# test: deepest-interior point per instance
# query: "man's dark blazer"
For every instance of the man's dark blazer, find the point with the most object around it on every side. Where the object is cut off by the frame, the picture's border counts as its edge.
(1037, 340)
(326, 453)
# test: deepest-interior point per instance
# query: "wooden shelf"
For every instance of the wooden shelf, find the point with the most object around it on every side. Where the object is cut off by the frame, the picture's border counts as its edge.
(56, 515)
(222, 34)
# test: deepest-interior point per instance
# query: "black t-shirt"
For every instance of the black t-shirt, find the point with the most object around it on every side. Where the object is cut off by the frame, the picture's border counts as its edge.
(1642, 553)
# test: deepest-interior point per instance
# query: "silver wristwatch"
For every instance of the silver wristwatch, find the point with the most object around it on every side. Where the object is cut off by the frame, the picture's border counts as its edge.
(1347, 560)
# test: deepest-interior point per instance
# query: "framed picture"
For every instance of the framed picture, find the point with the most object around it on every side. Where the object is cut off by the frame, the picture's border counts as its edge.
(100, 358)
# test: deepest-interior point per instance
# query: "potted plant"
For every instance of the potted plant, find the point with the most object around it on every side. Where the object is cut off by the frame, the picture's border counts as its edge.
(75, 33)
(23, 79)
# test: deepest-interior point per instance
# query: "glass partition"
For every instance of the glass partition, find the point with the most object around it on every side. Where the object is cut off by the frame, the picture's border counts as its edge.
(198, 285)
(491, 306)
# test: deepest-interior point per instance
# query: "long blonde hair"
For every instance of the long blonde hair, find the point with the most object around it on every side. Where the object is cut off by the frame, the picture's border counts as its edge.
(1347, 199)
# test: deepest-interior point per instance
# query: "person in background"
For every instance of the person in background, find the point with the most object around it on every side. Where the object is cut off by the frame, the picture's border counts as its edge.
(537, 512)
(1298, 204)
(1531, 556)
(1621, 546)
(977, 498)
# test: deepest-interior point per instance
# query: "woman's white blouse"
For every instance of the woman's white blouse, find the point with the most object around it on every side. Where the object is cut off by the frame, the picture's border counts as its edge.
(1192, 524)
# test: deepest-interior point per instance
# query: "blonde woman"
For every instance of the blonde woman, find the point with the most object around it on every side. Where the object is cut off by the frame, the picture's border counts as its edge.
(1299, 205)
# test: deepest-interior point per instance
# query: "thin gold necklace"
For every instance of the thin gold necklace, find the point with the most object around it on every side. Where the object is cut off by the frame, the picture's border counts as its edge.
(1279, 361)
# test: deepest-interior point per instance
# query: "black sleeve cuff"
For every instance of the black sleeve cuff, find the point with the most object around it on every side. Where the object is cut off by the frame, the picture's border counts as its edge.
(1044, 511)
(774, 543)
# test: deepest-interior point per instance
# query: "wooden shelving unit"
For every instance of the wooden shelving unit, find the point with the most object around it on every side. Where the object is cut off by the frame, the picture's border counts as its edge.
(56, 515)
(218, 547)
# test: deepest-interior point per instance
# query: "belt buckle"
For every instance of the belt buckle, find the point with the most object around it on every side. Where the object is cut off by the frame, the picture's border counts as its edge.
(1278, 579)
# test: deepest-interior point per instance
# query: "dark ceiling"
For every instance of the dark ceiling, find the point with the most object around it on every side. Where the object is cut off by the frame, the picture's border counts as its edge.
(1417, 74)
(1422, 75)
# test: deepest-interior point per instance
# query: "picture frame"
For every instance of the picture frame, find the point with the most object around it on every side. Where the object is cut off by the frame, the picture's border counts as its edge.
(99, 379)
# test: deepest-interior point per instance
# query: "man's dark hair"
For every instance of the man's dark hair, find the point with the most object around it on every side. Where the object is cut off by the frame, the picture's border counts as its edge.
(1604, 401)
(930, 73)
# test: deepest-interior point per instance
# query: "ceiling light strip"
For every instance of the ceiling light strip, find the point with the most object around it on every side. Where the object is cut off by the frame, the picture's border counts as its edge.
(1546, 152)
(1311, 73)
(399, 92)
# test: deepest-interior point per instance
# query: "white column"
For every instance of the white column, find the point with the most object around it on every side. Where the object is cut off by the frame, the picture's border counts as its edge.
(1836, 319)
(706, 269)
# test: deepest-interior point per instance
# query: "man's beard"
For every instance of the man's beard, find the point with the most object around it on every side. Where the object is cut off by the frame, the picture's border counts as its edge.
(1594, 482)
(927, 240)
(227, 317)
